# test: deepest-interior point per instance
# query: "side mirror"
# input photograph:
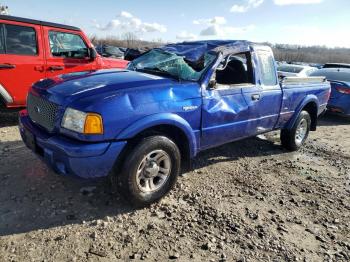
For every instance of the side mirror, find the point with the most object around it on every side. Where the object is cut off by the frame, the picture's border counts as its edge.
(212, 84)
(92, 53)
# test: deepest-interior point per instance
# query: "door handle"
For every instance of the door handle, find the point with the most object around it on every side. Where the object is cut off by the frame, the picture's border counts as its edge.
(56, 68)
(255, 97)
(7, 66)
(39, 68)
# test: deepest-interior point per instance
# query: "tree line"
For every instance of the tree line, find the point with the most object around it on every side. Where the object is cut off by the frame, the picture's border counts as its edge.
(311, 54)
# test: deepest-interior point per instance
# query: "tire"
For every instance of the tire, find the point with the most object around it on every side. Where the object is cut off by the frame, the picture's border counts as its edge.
(143, 177)
(294, 138)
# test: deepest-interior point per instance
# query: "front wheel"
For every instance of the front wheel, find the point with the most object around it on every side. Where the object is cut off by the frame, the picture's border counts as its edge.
(292, 139)
(149, 171)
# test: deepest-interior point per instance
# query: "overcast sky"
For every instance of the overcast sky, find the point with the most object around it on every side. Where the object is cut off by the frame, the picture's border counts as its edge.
(305, 22)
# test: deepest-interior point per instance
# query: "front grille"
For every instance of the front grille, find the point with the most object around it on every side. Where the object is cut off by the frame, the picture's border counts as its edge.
(42, 112)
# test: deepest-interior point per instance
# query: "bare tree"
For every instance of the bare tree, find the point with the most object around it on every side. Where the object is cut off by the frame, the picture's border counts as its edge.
(130, 39)
(311, 54)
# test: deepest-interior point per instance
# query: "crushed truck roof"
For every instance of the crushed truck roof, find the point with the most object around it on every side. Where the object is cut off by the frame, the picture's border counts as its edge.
(194, 51)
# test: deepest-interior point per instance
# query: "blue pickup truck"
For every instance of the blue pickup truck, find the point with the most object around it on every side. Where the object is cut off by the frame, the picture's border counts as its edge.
(143, 126)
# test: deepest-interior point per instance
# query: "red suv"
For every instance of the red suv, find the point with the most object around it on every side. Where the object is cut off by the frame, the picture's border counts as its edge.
(31, 50)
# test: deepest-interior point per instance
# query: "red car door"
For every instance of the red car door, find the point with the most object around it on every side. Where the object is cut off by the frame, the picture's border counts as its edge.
(21, 60)
(67, 52)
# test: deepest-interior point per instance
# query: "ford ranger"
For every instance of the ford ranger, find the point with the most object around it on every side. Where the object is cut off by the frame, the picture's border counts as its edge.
(142, 126)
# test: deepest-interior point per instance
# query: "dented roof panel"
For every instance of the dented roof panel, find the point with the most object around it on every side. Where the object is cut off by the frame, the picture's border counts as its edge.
(194, 51)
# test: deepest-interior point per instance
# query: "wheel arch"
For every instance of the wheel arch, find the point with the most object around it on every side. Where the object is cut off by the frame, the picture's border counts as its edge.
(170, 125)
(309, 104)
(312, 109)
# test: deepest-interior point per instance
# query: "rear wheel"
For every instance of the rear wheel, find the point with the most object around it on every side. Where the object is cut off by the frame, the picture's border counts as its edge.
(292, 139)
(149, 171)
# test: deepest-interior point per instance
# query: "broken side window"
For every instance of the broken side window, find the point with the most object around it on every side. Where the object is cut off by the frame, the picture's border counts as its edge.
(236, 69)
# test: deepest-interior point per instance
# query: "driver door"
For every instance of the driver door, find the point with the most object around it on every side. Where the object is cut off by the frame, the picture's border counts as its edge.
(226, 114)
(67, 52)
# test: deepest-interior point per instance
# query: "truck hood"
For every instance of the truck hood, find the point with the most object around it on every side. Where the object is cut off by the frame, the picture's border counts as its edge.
(82, 84)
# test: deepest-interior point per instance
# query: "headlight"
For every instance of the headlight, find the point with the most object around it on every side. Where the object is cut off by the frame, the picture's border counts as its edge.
(81, 122)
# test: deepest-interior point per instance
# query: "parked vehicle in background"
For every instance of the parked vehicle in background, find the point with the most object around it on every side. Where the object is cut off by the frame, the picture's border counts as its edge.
(336, 65)
(339, 101)
(285, 70)
(144, 125)
(133, 53)
(110, 51)
(31, 50)
(316, 65)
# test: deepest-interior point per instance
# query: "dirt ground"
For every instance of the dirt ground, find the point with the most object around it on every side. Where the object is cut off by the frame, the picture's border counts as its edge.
(245, 201)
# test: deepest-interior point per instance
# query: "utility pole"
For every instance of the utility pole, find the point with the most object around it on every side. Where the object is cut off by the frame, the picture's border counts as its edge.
(4, 10)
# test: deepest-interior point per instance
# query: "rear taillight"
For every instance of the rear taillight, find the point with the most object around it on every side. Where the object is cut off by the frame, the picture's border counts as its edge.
(343, 90)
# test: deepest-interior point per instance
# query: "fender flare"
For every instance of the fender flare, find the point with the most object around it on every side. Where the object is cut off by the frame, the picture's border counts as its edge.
(161, 119)
(308, 99)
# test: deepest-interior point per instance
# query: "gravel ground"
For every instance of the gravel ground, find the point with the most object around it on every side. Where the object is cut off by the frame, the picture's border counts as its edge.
(245, 201)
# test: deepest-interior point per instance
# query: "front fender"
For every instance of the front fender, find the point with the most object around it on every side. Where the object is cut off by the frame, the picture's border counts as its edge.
(308, 99)
(161, 119)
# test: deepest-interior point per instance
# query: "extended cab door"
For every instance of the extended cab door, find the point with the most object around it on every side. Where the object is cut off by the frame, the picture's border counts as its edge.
(67, 52)
(21, 60)
(265, 98)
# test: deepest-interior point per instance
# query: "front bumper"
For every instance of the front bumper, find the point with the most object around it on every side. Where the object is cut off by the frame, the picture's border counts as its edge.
(67, 156)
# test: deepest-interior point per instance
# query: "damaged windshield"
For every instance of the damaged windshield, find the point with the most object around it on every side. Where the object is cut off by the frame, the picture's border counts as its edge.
(161, 62)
